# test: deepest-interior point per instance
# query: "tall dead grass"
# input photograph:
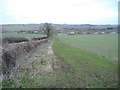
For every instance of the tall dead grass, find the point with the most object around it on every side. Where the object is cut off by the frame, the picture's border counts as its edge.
(14, 51)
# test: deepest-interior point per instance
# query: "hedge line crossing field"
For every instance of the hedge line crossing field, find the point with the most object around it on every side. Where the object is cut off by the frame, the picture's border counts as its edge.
(103, 45)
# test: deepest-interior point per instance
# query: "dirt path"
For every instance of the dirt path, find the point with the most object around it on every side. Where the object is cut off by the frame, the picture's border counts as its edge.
(39, 68)
(37, 63)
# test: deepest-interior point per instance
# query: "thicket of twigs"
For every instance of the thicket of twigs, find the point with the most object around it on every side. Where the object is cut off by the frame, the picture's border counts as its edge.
(14, 51)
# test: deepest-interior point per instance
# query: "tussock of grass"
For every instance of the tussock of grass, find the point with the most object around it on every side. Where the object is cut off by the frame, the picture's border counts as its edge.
(89, 70)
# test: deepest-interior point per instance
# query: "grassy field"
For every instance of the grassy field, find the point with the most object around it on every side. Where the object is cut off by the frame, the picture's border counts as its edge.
(103, 45)
(15, 34)
(76, 67)
(88, 69)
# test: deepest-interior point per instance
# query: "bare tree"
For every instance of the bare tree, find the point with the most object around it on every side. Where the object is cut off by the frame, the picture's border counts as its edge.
(48, 29)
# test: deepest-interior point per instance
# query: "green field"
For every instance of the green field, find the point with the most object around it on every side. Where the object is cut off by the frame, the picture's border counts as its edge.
(77, 67)
(87, 69)
(15, 34)
(103, 45)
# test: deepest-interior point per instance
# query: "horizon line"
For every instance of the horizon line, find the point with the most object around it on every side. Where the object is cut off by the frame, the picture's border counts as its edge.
(54, 23)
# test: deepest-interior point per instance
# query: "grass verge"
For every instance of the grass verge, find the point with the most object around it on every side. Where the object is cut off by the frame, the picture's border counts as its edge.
(90, 70)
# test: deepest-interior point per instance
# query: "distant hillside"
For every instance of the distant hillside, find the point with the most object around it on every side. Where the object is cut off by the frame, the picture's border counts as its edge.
(18, 27)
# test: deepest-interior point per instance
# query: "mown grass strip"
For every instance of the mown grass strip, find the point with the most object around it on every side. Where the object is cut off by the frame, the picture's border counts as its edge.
(89, 70)
(103, 45)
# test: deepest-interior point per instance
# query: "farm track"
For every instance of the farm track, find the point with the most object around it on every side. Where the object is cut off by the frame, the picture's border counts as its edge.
(42, 69)
(35, 64)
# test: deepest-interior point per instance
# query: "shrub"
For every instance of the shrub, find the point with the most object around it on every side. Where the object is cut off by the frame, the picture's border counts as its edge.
(14, 51)
(14, 39)
(8, 62)
(39, 38)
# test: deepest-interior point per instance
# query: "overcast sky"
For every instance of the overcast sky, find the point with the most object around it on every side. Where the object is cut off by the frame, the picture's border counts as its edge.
(59, 11)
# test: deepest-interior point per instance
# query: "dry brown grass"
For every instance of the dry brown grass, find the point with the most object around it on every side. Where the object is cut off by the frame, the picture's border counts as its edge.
(14, 51)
